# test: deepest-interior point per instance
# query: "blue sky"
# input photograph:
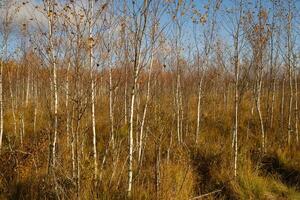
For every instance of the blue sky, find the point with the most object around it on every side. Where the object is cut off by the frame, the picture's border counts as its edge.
(222, 22)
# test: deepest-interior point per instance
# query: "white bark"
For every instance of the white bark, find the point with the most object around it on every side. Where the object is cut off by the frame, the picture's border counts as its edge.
(91, 56)
(73, 145)
(178, 105)
(282, 104)
(130, 158)
(236, 38)
(139, 34)
(157, 169)
(296, 108)
(145, 108)
(272, 103)
(236, 102)
(35, 106)
(289, 51)
(125, 96)
(13, 105)
(111, 106)
(258, 108)
(1, 104)
(67, 105)
(1, 86)
(27, 87)
(23, 127)
(53, 138)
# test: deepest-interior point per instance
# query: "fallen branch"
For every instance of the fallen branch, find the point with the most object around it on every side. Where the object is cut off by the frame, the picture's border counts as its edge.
(205, 195)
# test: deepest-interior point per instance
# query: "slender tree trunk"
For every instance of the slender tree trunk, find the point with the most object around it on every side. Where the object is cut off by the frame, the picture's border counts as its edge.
(236, 39)
(282, 106)
(23, 124)
(289, 52)
(145, 108)
(55, 113)
(77, 158)
(141, 23)
(272, 75)
(67, 104)
(178, 105)
(13, 106)
(258, 51)
(53, 137)
(27, 87)
(125, 95)
(181, 114)
(1, 103)
(138, 103)
(249, 120)
(258, 108)
(140, 147)
(73, 145)
(20, 130)
(272, 103)
(111, 107)
(199, 107)
(157, 169)
(236, 101)
(131, 135)
(296, 106)
(91, 56)
(290, 106)
(132, 103)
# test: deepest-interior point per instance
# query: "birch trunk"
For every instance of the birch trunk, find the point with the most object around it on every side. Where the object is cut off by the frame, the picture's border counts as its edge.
(77, 159)
(140, 23)
(67, 104)
(111, 107)
(73, 146)
(125, 95)
(178, 105)
(141, 137)
(1, 91)
(35, 106)
(20, 131)
(236, 38)
(236, 101)
(157, 170)
(290, 107)
(146, 104)
(131, 133)
(53, 137)
(282, 105)
(91, 56)
(1, 104)
(272, 103)
(27, 87)
(296, 107)
(13, 106)
(199, 107)
(289, 51)
(258, 108)
(132, 103)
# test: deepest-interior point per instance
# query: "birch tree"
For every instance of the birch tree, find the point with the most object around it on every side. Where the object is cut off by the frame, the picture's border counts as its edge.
(208, 20)
(51, 17)
(91, 60)
(258, 35)
(235, 30)
(236, 39)
(140, 20)
(289, 63)
(8, 10)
